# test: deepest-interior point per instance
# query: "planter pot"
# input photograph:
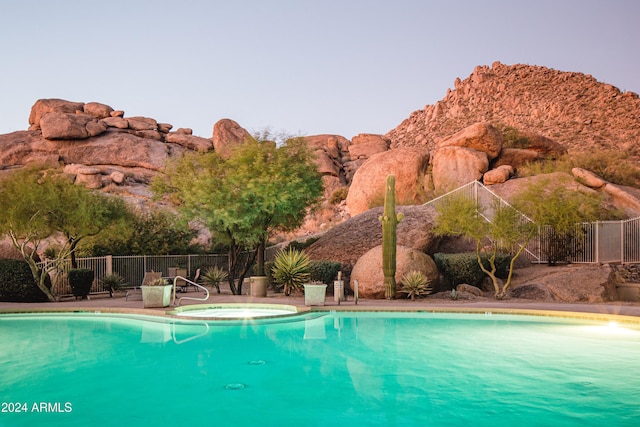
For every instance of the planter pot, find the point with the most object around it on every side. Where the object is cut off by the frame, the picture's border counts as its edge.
(628, 291)
(314, 294)
(258, 286)
(80, 280)
(81, 290)
(156, 296)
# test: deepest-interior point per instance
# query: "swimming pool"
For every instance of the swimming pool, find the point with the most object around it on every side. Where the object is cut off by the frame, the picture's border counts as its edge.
(341, 368)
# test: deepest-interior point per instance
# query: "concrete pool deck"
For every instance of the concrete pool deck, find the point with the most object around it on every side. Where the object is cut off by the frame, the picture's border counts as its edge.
(119, 304)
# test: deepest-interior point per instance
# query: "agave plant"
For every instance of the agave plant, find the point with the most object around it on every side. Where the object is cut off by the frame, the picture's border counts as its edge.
(415, 284)
(291, 270)
(213, 276)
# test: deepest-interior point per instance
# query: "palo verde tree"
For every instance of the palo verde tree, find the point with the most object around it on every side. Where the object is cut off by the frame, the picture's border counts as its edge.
(506, 231)
(149, 232)
(39, 204)
(559, 210)
(81, 213)
(243, 197)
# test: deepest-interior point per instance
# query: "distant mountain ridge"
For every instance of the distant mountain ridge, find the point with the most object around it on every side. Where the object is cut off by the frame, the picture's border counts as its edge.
(571, 108)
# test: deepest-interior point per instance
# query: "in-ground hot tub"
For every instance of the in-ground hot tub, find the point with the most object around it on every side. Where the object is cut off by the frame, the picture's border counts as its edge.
(235, 311)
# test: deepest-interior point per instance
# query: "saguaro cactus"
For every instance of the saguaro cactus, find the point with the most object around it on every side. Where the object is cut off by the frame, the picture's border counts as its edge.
(389, 221)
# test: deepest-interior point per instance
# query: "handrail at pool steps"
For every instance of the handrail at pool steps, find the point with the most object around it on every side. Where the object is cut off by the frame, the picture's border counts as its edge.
(175, 282)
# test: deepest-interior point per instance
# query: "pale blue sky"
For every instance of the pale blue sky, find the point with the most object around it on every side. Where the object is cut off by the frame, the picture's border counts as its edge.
(304, 67)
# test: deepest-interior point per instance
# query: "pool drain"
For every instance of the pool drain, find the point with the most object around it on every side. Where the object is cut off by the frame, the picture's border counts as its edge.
(234, 386)
(257, 362)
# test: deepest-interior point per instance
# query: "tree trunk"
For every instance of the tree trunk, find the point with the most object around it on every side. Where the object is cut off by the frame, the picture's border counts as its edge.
(260, 258)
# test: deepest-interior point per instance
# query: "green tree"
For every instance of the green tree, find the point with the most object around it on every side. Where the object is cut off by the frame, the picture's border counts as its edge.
(81, 213)
(37, 204)
(505, 232)
(560, 210)
(244, 197)
(154, 232)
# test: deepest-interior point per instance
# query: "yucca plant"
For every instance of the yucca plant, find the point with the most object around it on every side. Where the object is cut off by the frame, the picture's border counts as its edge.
(213, 276)
(291, 270)
(113, 282)
(415, 284)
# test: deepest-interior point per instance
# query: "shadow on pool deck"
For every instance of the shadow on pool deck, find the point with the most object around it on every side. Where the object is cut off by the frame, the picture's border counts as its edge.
(119, 303)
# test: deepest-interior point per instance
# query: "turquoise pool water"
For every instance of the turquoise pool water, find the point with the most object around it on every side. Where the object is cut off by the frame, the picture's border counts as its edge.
(356, 369)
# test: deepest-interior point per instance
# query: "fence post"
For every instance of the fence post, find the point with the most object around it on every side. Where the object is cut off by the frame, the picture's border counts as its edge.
(108, 264)
(621, 242)
(597, 242)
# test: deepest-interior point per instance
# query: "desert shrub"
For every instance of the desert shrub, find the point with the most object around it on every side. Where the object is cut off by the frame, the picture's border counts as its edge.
(464, 268)
(80, 280)
(324, 271)
(17, 283)
(513, 138)
(339, 195)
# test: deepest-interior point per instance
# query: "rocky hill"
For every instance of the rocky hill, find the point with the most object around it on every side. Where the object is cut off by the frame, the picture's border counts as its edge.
(439, 147)
(571, 108)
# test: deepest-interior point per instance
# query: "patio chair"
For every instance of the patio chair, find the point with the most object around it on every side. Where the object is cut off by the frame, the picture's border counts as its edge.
(149, 277)
(184, 285)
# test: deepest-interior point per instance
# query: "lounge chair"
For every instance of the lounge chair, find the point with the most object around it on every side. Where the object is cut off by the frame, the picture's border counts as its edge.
(149, 277)
(184, 285)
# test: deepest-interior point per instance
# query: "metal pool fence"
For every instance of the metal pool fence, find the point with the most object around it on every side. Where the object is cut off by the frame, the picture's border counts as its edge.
(596, 242)
(132, 268)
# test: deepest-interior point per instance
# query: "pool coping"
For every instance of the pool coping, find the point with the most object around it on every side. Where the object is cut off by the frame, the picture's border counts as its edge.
(568, 311)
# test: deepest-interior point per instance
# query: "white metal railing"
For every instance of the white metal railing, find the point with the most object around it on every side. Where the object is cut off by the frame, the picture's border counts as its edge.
(487, 203)
(596, 242)
(190, 283)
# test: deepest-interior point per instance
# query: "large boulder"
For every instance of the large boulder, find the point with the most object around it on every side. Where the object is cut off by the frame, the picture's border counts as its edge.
(368, 270)
(516, 157)
(366, 145)
(349, 240)
(326, 165)
(190, 141)
(226, 134)
(98, 110)
(456, 166)
(480, 136)
(545, 147)
(573, 283)
(498, 175)
(70, 126)
(333, 145)
(24, 148)
(115, 148)
(45, 106)
(409, 165)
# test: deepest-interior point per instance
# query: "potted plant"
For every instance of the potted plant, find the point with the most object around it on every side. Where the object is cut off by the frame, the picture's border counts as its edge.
(415, 284)
(291, 270)
(213, 276)
(80, 280)
(112, 282)
(314, 293)
(156, 293)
